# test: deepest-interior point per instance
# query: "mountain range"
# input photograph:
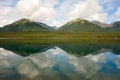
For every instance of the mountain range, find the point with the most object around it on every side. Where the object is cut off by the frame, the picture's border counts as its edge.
(77, 25)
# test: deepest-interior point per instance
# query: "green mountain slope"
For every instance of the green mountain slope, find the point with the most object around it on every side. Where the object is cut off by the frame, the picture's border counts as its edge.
(81, 25)
(25, 25)
(114, 26)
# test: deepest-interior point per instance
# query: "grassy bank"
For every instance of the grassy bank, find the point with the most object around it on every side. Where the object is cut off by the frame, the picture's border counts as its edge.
(60, 37)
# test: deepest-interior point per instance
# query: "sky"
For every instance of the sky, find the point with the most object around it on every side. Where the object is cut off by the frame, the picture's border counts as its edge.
(58, 12)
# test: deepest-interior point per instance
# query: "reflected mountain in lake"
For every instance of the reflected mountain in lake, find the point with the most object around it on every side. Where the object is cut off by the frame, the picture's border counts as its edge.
(81, 49)
(56, 64)
(25, 49)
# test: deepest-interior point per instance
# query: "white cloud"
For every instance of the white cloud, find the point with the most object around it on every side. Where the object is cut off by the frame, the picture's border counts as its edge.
(117, 14)
(37, 10)
(85, 8)
(56, 23)
(72, 9)
(43, 14)
(9, 15)
(98, 17)
(52, 12)
(88, 9)
(66, 5)
(28, 7)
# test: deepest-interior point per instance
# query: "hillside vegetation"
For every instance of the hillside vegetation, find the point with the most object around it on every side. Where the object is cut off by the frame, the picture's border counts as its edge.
(24, 25)
(81, 25)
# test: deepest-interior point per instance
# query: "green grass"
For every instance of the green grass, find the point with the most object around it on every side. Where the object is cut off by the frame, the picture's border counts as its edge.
(60, 37)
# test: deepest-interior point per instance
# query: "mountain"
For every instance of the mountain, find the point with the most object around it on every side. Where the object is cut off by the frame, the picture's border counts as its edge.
(78, 25)
(81, 25)
(25, 25)
(114, 26)
(100, 24)
(25, 49)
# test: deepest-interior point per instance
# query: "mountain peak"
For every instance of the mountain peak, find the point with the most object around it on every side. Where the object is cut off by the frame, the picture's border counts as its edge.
(22, 21)
(78, 20)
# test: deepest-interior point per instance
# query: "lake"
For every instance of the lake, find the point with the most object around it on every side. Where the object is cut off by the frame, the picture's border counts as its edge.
(60, 61)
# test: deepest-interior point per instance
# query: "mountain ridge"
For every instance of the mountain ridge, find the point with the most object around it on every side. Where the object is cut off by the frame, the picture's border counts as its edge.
(25, 25)
(77, 25)
(115, 26)
(80, 25)
(103, 25)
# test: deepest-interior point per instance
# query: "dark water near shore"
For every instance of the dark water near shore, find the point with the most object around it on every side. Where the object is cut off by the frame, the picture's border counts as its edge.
(82, 61)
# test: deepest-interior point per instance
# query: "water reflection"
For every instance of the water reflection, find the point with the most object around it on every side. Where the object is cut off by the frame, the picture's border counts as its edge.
(81, 49)
(56, 64)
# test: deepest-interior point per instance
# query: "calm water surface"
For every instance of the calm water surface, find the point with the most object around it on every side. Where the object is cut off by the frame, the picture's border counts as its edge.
(60, 62)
